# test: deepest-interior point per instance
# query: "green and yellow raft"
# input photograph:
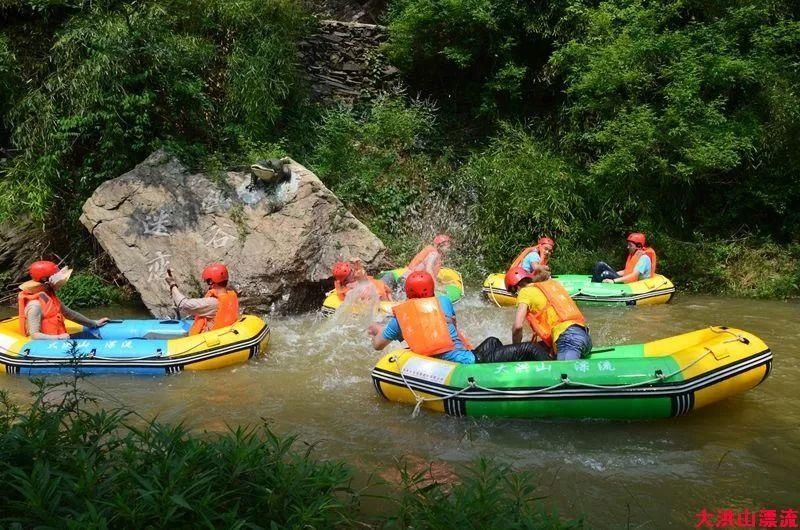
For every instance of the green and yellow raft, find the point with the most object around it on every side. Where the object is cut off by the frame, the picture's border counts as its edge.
(655, 290)
(450, 283)
(659, 379)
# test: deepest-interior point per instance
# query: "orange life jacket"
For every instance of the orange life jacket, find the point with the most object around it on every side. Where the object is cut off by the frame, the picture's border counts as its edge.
(633, 259)
(52, 317)
(227, 312)
(381, 288)
(424, 326)
(341, 289)
(518, 260)
(559, 308)
(416, 262)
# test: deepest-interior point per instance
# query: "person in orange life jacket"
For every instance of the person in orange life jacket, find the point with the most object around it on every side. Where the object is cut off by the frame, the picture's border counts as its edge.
(553, 316)
(41, 313)
(217, 309)
(430, 258)
(534, 259)
(427, 322)
(349, 274)
(640, 265)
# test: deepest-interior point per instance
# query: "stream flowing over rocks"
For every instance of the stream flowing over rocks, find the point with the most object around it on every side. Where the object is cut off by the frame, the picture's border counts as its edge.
(279, 242)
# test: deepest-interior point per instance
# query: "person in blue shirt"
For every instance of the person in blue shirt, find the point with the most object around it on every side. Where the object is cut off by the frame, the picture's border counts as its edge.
(640, 264)
(538, 257)
(434, 330)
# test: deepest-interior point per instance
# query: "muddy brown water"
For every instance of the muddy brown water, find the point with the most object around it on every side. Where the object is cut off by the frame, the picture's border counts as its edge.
(741, 453)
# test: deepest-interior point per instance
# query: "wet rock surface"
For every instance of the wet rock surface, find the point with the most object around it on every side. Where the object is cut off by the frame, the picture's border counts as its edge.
(279, 243)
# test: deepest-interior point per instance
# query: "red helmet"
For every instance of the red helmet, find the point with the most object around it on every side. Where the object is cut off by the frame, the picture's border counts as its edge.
(341, 270)
(420, 285)
(516, 275)
(546, 241)
(40, 270)
(637, 238)
(441, 239)
(215, 273)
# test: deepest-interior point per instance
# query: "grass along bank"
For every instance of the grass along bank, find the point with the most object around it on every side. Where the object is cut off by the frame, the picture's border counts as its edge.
(67, 462)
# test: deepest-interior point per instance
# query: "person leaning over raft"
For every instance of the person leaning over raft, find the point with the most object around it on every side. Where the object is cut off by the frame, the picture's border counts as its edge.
(41, 313)
(347, 275)
(427, 322)
(217, 309)
(430, 258)
(640, 265)
(534, 259)
(551, 313)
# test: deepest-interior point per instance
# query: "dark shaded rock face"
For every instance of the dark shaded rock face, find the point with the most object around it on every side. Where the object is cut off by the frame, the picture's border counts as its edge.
(278, 243)
(344, 63)
(367, 11)
(22, 241)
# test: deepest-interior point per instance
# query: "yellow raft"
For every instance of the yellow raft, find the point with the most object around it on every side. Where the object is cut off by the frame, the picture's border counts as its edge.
(449, 280)
(133, 346)
(659, 379)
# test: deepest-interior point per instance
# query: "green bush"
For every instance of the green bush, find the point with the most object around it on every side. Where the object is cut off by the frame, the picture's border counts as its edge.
(374, 159)
(485, 495)
(482, 57)
(85, 289)
(123, 79)
(262, 75)
(66, 462)
(673, 107)
(522, 190)
(738, 268)
(8, 84)
(63, 462)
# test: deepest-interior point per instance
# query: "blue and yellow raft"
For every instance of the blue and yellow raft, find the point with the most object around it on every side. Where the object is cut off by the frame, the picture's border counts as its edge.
(149, 347)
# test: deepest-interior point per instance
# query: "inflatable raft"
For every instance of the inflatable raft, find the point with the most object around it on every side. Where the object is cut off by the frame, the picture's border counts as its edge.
(655, 290)
(449, 281)
(133, 346)
(660, 379)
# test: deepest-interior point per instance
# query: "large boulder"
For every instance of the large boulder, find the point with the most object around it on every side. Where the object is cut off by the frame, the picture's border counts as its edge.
(279, 243)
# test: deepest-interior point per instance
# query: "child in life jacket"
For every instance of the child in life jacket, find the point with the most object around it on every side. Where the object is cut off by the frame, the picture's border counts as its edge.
(41, 314)
(217, 309)
(640, 265)
(534, 259)
(427, 322)
(552, 315)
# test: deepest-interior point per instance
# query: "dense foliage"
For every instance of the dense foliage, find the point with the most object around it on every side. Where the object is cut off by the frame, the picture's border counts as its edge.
(582, 119)
(66, 462)
(686, 113)
(113, 81)
(85, 289)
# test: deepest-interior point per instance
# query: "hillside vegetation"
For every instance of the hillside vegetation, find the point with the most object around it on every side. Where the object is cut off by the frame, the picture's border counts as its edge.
(577, 119)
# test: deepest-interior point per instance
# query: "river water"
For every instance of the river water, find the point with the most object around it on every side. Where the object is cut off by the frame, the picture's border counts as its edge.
(315, 381)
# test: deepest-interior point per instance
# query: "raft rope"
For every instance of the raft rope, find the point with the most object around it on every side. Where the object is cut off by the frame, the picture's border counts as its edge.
(565, 381)
(494, 296)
